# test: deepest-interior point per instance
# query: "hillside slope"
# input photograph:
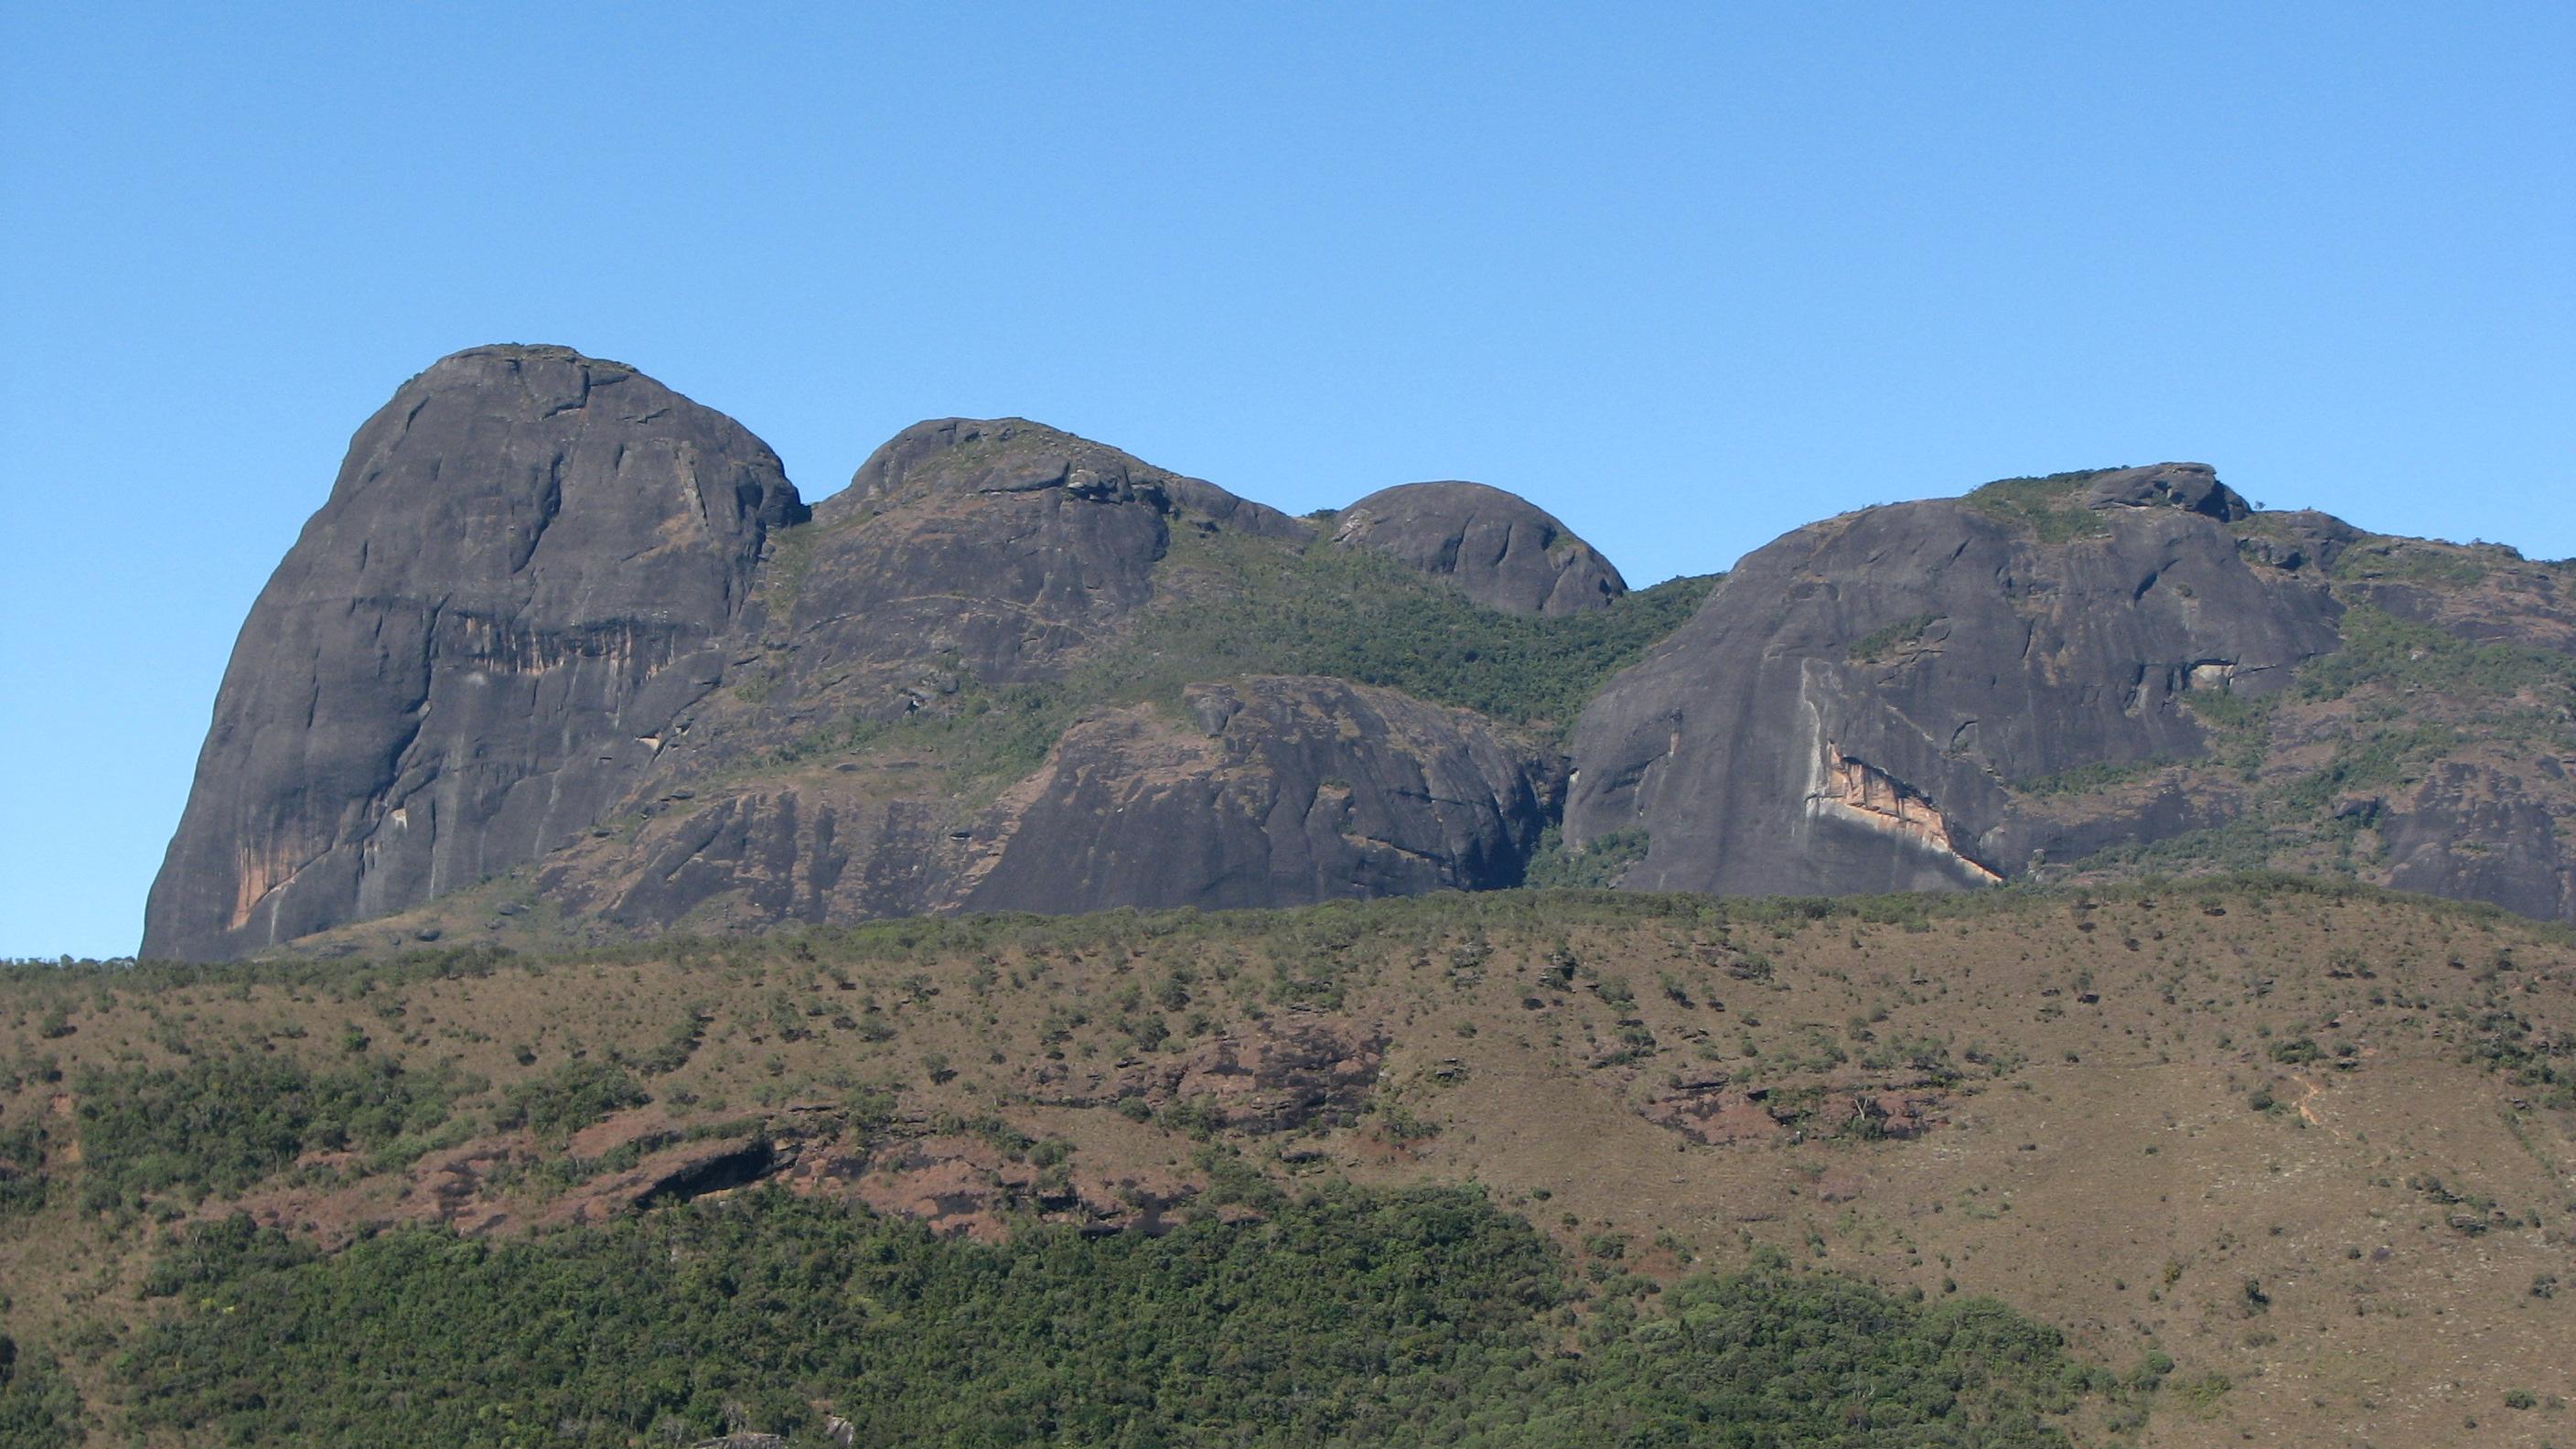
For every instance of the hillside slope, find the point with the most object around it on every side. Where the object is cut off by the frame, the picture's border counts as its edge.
(2303, 1156)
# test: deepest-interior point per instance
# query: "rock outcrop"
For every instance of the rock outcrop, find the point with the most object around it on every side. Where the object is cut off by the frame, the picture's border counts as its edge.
(1274, 792)
(1854, 707)
(1288, 791)
(556, 619)
(482, 639)
(2482, 832)
(1282, 1076)
(991, 550)
(558, 624)
(1499, 548)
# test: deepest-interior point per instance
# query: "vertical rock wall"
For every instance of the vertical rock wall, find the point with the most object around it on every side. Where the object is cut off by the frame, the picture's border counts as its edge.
(484, 636)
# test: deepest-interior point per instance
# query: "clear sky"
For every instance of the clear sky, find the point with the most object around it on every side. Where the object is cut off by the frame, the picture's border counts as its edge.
(1687, 276)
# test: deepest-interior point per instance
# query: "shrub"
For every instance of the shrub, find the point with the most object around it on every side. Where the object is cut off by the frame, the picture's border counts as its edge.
(1346, 1317)
(561, 1102)
(220, 1125)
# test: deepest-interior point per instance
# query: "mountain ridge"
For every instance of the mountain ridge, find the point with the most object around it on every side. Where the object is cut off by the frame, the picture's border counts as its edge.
(2078, 676)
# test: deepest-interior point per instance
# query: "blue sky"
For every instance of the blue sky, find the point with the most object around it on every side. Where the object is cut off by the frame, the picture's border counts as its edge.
(1688, 276)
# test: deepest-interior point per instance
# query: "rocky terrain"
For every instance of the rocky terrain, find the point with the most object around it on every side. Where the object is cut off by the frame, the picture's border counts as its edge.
(702, 950)
(1504, 552)
(520, 584)
(565, 658)
(2094, 675)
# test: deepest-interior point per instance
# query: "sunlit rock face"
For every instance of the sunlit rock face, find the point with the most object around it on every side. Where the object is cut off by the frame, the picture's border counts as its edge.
(485, 635)
(1499, 548)
(1853, 707)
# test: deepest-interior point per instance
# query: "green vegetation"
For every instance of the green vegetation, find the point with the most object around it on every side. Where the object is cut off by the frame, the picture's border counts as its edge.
(2091, 779)
(1878, 644)
(1250, 606)
(2393, 702)
(791, 557)
(38, 1408)
(218, 1126)
(1354, 615)
(22, 1168)
(2383, 650)
(980, 733)
(2045, 507)
(2411, 561)
(2241, 847)
(1596, 865)
(569, 1098)
(1347, 1317)
(1511, 1017)
(2386, 755)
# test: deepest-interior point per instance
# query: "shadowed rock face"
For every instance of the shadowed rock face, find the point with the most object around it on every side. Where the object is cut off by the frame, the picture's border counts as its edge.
(1282, 791)
(2480, 833)
(1846, 711)
(1294, 790)
(1502, 550)
(480, 640)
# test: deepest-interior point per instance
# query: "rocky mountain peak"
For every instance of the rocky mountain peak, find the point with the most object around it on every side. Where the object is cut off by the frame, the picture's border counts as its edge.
(522, 533)
(1504, 551)
(557, 625)
(2192, 487)
(950, 456)
(948, 463)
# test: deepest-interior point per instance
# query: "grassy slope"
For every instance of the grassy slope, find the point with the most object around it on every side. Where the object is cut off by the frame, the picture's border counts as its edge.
(2124, 1166)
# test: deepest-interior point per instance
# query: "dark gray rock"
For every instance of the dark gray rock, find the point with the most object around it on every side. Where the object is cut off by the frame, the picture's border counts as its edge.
(556, 617)
(2477, 833)
(764, 852)
(1289, 791)
(1273, 792)
(1502, 550)
(479, 642)
(1848, 709)
(990, 550)
(2191, 487)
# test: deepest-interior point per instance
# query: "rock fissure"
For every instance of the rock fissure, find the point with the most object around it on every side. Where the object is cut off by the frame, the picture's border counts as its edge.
(1858, 791)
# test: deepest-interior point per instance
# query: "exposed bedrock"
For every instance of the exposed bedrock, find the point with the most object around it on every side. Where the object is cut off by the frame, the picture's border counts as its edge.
(1273, 792)
(1502, 550)
(2477, 832)
(557, 622)
(1847, 710)
(1282, 791)
(988, 549)
(482, 637)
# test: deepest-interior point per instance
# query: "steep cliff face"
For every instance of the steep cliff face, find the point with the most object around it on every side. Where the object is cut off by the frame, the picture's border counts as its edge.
(480, 641)
(1862, 704)
(558, 625)
(558, 621)
(1266, 792)
(1499, 548)
(1288, 791)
